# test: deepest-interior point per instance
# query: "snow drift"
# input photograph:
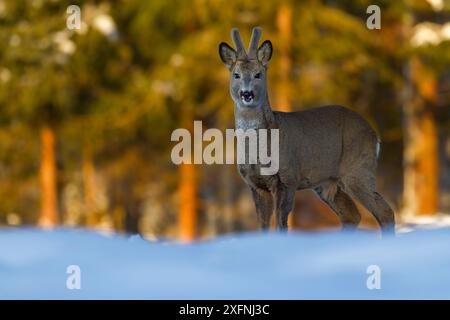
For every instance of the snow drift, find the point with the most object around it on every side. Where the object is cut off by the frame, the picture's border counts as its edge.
(324, 265)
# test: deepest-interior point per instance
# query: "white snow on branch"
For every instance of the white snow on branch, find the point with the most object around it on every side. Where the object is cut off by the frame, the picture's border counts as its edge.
(428, 33)
(437, 5)
(105, 24)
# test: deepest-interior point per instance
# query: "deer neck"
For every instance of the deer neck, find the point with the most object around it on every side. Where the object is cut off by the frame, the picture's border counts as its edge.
(259, 117)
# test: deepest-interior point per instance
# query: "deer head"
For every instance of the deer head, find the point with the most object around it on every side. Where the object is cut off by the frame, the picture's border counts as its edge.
(248, 83)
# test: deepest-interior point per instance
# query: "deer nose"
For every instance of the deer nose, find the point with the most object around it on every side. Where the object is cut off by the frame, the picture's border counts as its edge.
(247, 95)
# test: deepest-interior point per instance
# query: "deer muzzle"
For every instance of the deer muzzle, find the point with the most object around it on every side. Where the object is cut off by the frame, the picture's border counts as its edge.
(247, 96)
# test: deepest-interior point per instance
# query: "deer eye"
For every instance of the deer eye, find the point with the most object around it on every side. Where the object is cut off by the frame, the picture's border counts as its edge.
(237, 76)
(258, 75)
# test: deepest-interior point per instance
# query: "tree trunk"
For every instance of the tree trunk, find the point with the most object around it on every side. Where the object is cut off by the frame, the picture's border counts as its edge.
(188, 202)
(48, 175)
(283, 94)
(284, 26)
(428, 167)
(88, 171)
(421, 159)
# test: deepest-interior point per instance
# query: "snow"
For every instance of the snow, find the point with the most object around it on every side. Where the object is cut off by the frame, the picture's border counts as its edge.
(297, 265)
(435, 221)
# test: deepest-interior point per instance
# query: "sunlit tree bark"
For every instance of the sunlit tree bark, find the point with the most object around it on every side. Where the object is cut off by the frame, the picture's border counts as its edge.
(188, 189)
(48, 177)
(421, 162)
(284, 70)
(188, 202)
(88, 171)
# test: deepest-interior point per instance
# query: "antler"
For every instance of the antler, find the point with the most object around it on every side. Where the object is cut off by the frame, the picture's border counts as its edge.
(253, 46)
(238, 44)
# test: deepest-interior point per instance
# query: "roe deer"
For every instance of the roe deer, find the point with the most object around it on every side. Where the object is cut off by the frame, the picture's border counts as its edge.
(329, 149)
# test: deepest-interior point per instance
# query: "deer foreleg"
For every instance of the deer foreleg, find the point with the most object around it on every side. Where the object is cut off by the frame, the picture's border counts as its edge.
(284, 204)
(264, 206)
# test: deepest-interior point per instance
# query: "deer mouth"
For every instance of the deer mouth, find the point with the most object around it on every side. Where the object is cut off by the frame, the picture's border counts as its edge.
(247, 96)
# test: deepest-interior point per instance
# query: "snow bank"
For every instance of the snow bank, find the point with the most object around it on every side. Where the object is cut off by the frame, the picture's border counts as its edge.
(324, 265)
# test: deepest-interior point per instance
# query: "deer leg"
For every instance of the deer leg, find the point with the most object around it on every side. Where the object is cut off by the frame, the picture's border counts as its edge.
(344, 207)
(376, 204)
(264, 207)
(284, 204)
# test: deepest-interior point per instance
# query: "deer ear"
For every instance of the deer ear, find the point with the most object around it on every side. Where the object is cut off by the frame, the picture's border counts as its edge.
(265, 52)
(227, 54)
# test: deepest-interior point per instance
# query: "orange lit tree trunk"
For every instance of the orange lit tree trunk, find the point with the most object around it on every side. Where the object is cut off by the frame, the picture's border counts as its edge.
(188, 202)
(284, 26)
(283, 94)
(421, 160)
(88, 171)
(48, 176)
(187, 216)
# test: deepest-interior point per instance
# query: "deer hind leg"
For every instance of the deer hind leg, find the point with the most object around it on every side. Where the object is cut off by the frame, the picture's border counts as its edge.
(375, 203)
(264, 207)
(341, 204)
(284, 204)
